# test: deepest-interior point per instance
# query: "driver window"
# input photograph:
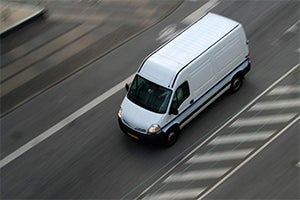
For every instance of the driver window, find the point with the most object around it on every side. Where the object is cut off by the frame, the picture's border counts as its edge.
(181, 94)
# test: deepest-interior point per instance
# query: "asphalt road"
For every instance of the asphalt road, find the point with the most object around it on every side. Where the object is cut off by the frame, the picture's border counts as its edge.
(67, 38)
(91, 158)
(279, 181)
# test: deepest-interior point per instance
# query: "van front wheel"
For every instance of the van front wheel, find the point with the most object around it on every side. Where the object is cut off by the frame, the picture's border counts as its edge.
(236, 83)
(171, 137)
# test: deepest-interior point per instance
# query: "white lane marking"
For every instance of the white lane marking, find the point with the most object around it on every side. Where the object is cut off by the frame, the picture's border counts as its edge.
(287, 89)
(262, 120)
(167, 33)
(220, 156)
(292, 28)
(248, 159)
(35, 141)
(200, 11)
(242, 137)
(214, 133)
(63, 123)
(298, 164)
(171, 30)
(197, 175)
(176, 194)
(269, 105)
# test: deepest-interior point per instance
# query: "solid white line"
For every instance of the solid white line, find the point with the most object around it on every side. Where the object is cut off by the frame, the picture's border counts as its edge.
(262, 120)
(65, 121)
(241, 137)
(292, 28)
(219, 129)
(287, 89)
(249, 158)
(269, 105)
(200, 11)
(220, 156)
(176, 194)
(35, 141)
(197, 175)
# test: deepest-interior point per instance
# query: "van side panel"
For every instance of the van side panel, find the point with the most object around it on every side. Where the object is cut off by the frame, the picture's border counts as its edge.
(229, 53)
(217, 63)
(202, 76)
(211, 73)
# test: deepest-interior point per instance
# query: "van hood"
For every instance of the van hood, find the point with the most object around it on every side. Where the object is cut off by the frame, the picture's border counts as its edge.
(137, 117)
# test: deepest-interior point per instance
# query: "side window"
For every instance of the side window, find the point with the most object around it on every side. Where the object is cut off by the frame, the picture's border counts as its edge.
(181, 94)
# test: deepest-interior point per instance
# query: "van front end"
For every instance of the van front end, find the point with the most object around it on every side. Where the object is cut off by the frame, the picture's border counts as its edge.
(144, 109)
(157, 136)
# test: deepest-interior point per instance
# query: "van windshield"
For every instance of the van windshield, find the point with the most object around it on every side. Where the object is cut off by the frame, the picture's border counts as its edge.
(149, 95)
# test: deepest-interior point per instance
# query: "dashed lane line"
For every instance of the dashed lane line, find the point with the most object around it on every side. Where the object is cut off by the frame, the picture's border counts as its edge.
(200, 11)
(286, 89)
(35, 141)
(263, 120)
(249, 158)
(171, 30)
(197, 175)
(220, 156)
(176, 194)
(277, 104)
(242, 137)
(213, 134)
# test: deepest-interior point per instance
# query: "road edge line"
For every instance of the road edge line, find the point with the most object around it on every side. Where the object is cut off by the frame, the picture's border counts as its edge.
(219, 129)
(64, 122)
(249, 158)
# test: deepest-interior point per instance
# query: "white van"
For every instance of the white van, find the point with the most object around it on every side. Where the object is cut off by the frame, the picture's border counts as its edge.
(182, 77)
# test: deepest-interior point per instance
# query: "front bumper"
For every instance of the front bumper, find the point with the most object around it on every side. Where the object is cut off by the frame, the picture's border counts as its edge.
(157, 138)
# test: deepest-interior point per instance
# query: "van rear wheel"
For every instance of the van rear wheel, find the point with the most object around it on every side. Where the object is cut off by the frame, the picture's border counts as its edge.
(236, 83)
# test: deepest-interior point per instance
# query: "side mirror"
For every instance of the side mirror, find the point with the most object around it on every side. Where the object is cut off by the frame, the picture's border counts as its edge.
(173, 111)
(127, 87)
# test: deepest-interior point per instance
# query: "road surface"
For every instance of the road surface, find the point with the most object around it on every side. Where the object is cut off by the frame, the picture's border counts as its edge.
(57, 144)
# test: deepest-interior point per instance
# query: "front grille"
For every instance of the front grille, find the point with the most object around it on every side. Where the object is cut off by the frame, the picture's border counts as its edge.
(134, 128)
(140, 130)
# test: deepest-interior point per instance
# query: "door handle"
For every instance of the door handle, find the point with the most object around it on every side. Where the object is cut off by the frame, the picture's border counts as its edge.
(192, 101)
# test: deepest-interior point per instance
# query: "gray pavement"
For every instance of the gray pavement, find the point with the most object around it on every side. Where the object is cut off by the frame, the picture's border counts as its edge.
(82, 33)
(90, 158)
(279, 181)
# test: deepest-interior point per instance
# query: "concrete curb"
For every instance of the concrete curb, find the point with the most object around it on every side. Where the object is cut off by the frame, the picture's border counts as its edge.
(16, 20)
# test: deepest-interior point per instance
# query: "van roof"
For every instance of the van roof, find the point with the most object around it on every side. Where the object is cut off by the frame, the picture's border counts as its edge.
(163, 65)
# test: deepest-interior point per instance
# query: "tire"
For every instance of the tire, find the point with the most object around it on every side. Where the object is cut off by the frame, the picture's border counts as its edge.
(171, 137)
(236, 83)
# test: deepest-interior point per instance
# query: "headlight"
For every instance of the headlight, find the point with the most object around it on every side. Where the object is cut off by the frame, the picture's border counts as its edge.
(120, 113)
(154, 129)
